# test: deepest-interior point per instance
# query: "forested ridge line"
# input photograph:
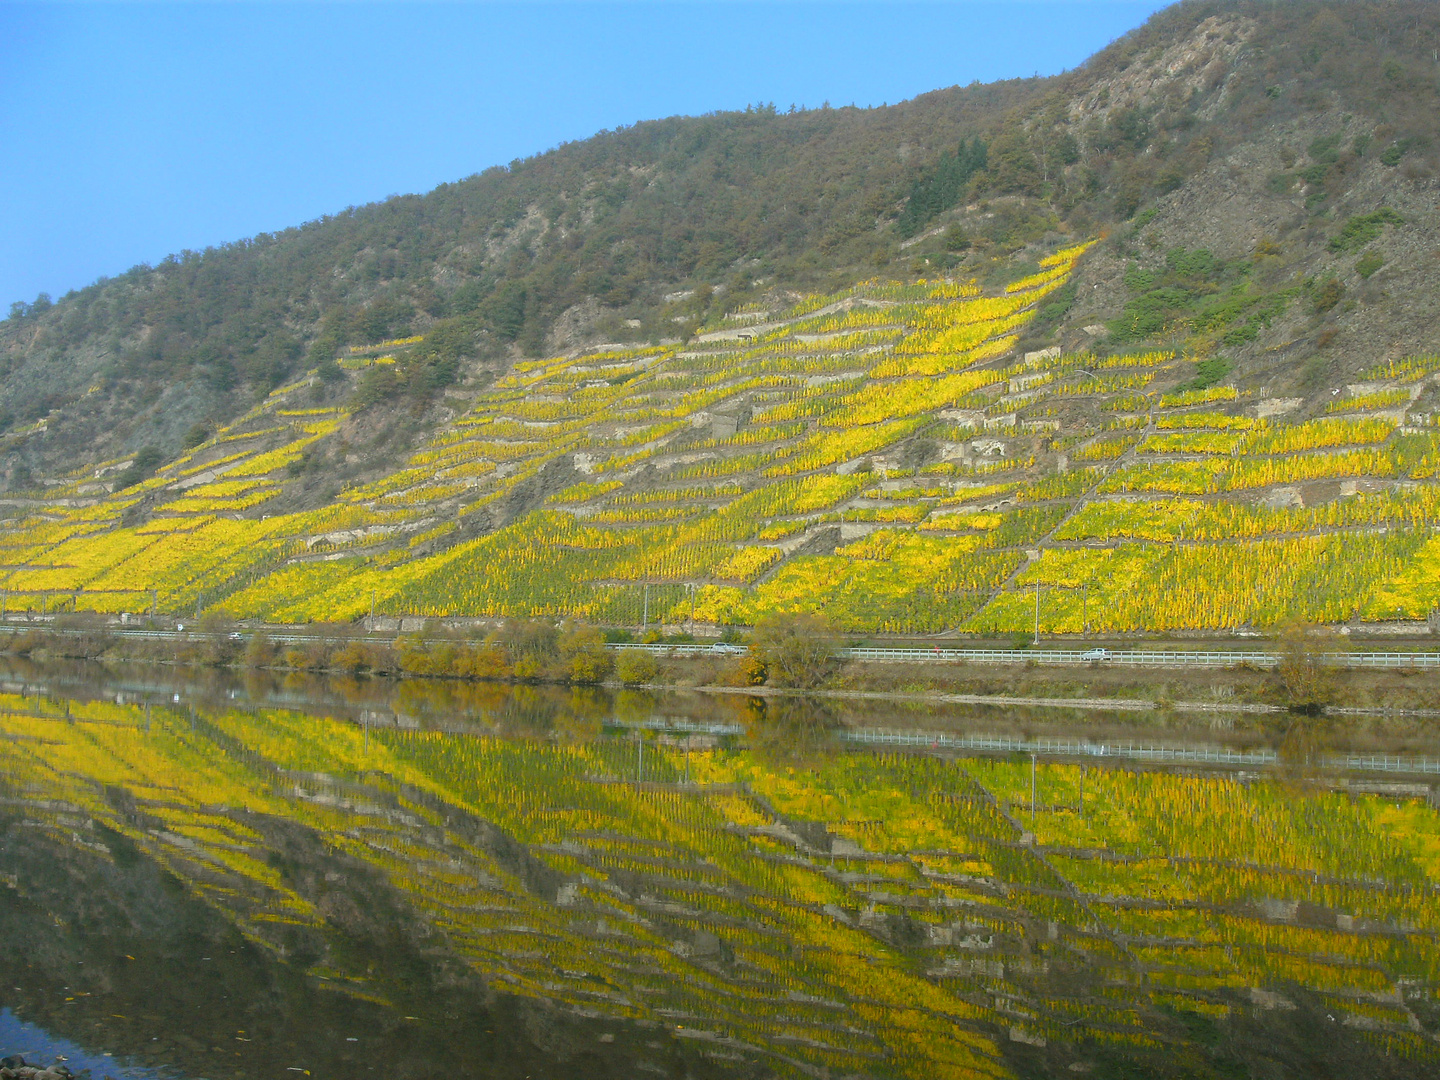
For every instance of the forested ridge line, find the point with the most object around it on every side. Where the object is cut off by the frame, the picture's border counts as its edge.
(649, 232)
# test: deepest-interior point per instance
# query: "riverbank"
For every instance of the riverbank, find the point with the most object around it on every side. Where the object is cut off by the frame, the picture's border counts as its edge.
(794, 724)
(535, 653)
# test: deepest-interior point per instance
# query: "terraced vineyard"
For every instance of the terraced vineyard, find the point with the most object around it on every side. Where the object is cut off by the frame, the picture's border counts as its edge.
(892, 915)
(883, 456)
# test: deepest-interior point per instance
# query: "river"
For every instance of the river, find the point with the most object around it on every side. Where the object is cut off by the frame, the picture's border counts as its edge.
(214, 875)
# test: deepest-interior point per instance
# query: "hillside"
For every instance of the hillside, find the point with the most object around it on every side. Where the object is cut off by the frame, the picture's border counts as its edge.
(1155, 339)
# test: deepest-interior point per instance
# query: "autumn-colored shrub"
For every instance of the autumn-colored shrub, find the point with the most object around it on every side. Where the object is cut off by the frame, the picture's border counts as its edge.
(796, 650)
(634, 667)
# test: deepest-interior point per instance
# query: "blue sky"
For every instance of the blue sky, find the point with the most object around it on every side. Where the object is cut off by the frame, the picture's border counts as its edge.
(130, 131)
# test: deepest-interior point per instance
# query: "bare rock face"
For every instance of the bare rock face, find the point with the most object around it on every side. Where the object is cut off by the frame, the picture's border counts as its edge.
(1282, 498)
(1201, 61)
(576, 325)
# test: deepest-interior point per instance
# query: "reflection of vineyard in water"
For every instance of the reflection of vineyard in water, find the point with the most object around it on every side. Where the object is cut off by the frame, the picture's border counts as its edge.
(891, 914)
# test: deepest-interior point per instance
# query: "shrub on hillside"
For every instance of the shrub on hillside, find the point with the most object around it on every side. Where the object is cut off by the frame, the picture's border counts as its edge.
(354, 657)
(796, 650)
(1306, 679)
(582, 648)
(259, 652)
(635, 667)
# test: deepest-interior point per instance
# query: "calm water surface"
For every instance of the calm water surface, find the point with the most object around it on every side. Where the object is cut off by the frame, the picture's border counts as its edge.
(209, 877)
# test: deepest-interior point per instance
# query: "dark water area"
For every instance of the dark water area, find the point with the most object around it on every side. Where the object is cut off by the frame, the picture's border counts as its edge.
(210, 875)
(32, 1043)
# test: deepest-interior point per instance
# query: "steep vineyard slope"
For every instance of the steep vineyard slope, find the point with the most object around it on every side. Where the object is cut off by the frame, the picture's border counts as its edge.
(881, 456)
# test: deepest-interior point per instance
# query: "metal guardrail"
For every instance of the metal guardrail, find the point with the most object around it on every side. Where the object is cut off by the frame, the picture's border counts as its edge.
(1143, 657)
(1384, 763)
(1202, 754)
(683, 648)
(1130, 657)
(179, 635)
(934, 654)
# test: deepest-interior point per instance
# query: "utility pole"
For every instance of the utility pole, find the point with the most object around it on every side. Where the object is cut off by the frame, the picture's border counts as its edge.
(372, 611)
(1085, 607)
(645, 611)
(1037, 613)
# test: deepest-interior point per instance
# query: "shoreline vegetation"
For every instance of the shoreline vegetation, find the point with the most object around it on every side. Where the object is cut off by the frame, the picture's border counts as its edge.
(786, 655)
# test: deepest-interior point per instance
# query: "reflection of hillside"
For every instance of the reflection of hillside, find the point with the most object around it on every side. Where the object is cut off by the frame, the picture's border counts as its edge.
(860, 913)
(115, 953)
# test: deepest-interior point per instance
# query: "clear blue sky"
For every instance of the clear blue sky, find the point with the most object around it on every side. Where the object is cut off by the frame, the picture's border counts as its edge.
(131, 131)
